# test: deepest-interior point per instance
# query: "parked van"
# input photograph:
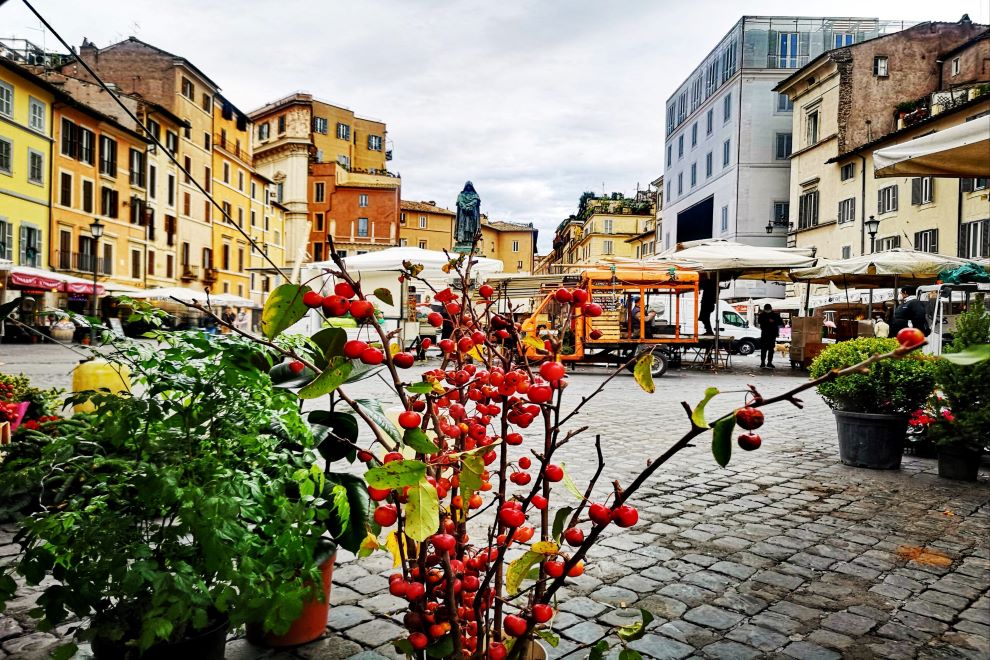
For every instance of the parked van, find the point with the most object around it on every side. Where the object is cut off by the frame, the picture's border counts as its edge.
(745, 337)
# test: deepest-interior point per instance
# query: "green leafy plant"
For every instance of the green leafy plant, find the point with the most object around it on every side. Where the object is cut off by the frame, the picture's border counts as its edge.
(887, 387)
(965, 386)
(196, 498)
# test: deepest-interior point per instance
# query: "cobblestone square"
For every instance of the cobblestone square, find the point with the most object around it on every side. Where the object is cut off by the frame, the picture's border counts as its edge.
(784, 553)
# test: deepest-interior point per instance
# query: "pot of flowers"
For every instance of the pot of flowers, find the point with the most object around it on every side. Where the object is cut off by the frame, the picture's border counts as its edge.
(963, 376)
(872, 407)
(157, 508)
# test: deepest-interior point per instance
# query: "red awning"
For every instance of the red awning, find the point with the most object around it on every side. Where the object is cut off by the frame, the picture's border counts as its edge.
(36, 278)
(32, 280)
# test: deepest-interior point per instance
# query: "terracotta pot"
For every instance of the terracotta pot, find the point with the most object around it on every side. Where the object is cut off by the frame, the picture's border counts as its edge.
(310, 625)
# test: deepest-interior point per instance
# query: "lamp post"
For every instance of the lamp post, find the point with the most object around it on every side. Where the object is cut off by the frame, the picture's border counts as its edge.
(872, 227)
(769, 226)
(96, 230)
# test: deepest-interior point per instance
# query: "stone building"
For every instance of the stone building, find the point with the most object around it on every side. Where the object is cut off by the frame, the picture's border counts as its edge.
(426, 225)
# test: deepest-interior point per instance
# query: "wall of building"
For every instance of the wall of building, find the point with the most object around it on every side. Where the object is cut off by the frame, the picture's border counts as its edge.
(438, 233)
(344, 205)
(355, 148)
(973, 66)
(232, 175)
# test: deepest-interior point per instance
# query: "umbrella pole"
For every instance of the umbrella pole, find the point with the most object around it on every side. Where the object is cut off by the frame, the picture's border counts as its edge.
(807, 298)
(869, 308)
(718, 316)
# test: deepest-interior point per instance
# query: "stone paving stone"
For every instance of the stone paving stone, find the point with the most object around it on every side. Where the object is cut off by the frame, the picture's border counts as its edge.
(347, 616)
(755, 636)
(776, 579)
(849, 623)
(779, 622)
(584, 632)
(973, 627)
(708, 580)
(830, 639)
(771, 551)
(890, 591)
(384, 603)
(660, 574)
(738, 602)
(712, 617)
(375, 633)
(856, 570)
(953, 602)
(687, 632)
(922, 623)
(930, 609)
(701, 560)
(343, 596)
(893, 650)
(809, 651)
(637, 583)
(726, 650)
(582, 607)
(688, 593)
(904, 633)
(9, 627)
(733, 569)
(34, 643)
(324, 649)
(661, 648)
(615, 596)
(663, 606)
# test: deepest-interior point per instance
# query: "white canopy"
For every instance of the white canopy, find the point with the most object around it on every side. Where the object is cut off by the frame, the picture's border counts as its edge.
(747, 261)
(879, 269)
(391, 259)
(956, 152)
(191, 295)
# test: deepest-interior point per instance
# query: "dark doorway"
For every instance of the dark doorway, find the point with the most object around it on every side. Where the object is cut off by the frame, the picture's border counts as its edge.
(696, 222)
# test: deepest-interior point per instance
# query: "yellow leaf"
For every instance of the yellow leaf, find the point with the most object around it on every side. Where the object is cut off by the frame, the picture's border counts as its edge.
(643, 374)
(518, 570)
(545, 547)
(368, 545)
(535, 342)
(392, 544)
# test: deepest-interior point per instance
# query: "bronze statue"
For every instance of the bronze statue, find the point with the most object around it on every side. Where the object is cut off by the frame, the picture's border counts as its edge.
(468, 216)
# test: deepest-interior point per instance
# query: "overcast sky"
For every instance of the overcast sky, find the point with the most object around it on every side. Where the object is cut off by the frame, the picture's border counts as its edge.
(535, 102)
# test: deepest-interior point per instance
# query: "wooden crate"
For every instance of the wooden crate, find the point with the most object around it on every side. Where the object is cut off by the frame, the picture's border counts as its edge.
(608, 324)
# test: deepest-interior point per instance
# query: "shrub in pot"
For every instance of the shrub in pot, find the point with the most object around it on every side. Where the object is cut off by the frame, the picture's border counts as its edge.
(961, 431)
(872, 407)
(172, 512)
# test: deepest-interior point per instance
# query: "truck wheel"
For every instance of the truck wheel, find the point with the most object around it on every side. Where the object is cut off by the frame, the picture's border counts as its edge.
(659, 366)
(746, 347)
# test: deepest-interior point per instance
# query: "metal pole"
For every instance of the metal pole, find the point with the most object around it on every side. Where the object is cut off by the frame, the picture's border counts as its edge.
(92, 323)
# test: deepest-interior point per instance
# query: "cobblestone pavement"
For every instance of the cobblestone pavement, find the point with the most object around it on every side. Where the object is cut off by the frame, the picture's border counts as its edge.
(785, 553)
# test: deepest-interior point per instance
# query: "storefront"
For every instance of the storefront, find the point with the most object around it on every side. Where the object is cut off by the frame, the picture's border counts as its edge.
(42, 293)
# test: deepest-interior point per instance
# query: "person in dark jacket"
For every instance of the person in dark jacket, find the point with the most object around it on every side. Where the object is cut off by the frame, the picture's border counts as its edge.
(707, 306)
(769, 322)
(911, 312)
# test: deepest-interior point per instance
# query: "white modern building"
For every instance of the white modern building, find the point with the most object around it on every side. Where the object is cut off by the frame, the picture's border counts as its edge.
(728, 134)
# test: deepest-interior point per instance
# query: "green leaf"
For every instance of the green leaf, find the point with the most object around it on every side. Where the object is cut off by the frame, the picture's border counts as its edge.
(403, 645)
(643, 373)
(283, 308)
(332, 377)
(396, 474)
(472, 467)
(722, 439)
(331, 341)
(422, 510)
(629, 654)
(698, 414)
(8, 307)
(548, 637)
(351, 531)
(373, 409)
(282, 375)
(969, 356)
(418, 440)
(635, 631)
(518, 570)
(599, 650)
(420, 388)
(442, 648)
(331, 432)
(65, 651)
(559, 520)
(570, 485)
(384, 295)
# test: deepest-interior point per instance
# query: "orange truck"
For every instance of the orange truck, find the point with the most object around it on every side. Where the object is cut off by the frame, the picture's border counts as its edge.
(641, 311)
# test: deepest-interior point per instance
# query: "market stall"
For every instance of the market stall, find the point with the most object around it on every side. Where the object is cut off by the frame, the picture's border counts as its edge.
(955, 152)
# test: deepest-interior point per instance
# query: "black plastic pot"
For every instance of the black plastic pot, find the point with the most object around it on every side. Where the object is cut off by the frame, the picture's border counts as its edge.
(958, 463)
(869, 440)
(205, 644)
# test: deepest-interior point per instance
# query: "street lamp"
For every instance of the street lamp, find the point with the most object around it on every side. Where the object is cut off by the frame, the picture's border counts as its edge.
(96, 230)
(872, 227)
(769, 226)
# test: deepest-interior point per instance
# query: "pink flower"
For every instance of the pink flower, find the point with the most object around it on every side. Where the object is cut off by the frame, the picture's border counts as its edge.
(948, 416)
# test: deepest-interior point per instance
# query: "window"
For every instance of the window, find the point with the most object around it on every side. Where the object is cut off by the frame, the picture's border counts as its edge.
(847, 210)
(971, 185)
(108, 202)
(107, 267)
(515, 246)
(847, 171)
(6, 149)
(787, 50)
(169, 266)
(187, 166)
(36, 167)
(727, 108)
(240, 216)
(422, 245)
(782, 146)
(6, 240)
(363, 200)
(680, 183)
(343, 132)
(974, 240)
(281, 124)
(30, 247)
(808, 210)
(781, 213)
(170, 190)
(888, 243)
(694, 174)
(187, 89)
(725, 219)
(206, 141)
(362, 227)
(519, 265)
(680, 146)
(320, 125)
(151, 262)
(317, 251)
(137, 174)
(784, 103)
(207, 179)
(344, 160)
(225, 257)
(135, 264)
(207, 102)
(207, 258)
(279, 191)
(955, 66)
(708, 164)
(880, 66)
(152, 181)
(402, 218)
(87, 142)
(812, 127)
(65, 189)
(422, 222)
(108, 156)
(926, 241)
(227, 212)
(710, 121)
(70, 138)
(65, 250)
(726, 153)
(319, 222)
(846, 251)
(607, 247)
(263, 130)
(840, 39)
(6, 99)
(87, 196)
(254, 219)
(186, 204)
(922, 190)
(226, 172)
(187, 130)
(607, 226)
(694, 134)
(670, 153)
(240, 181)
(669, 196)
(319, 191)
(36, 114)
(375, 142)
(207, 211)
(887, 199)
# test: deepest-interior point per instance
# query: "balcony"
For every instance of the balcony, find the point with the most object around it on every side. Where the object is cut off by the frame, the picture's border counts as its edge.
(82, 262)
(189, 273)
(210, 275)
(230, 146)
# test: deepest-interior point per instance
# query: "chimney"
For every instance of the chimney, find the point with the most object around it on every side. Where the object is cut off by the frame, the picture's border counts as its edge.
(432, 203)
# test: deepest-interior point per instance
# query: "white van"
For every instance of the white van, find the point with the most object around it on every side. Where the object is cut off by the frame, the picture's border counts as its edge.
(746, 338)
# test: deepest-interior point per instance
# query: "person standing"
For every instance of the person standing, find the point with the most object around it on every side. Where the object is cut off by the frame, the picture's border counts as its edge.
(228, 317)
(769, 322)
(707, 303)
(911, 312)
(242, 322)
(880, 328)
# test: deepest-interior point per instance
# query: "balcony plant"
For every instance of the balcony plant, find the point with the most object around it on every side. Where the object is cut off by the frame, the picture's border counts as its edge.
(963, 377)
(872, 407)
(171, 514)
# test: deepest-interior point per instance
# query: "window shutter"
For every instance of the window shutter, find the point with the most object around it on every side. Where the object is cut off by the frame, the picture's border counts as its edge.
(967, 184)
(880, 201)
(894, 206)
(984, 239)
(23, 246)
(931, 189)
(916, 191)
(934, 246)
(852, 209)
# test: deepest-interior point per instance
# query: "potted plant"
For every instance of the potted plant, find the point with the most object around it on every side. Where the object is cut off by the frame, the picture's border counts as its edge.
(175, 510)
(872, 408)
(960, 431)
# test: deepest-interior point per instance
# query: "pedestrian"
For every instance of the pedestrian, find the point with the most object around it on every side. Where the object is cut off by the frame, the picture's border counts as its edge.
(769, 322)
(910, 313)
(228, 317)
(707, 303)
(880, 327)
(242, 322)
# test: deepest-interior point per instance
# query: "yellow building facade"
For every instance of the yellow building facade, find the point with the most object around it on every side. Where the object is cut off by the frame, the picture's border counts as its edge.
(25, 165)
(426, 225)
(267, 228)
(232, 178)
(341, 136)
(512, 243)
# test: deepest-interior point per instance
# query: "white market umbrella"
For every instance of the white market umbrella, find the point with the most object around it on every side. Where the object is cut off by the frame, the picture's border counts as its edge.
(391, 259)
(879, 269)
(170, 293)
(744, 261)
(956, 152)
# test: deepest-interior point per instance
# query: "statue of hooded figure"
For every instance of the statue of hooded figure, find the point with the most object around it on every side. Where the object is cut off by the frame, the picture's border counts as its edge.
(468, 215)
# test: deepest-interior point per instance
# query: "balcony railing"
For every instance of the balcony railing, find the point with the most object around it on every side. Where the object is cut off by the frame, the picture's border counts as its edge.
(188, 273)
(82, 262)
(230, 146)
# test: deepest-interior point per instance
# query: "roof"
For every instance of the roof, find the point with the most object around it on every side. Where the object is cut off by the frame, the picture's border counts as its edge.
(192, 66)
(500, 225)
(893, 134)
(424, 207)
(961, 47)
(304, 98)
